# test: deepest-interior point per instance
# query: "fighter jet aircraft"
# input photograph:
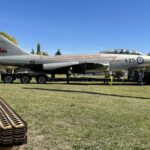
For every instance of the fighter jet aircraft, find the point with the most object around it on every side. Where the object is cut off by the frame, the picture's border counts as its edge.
(119, 59)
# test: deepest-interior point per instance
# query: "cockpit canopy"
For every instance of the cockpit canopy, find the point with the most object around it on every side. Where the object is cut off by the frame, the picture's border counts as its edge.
(121, 51)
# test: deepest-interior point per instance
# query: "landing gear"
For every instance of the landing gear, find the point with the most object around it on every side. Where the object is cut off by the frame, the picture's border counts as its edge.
(53, 76)
(41, 79)
(25, 79)
(68, 78)
(108, 78)
(68, 75)
(8, 79)
(139, 75)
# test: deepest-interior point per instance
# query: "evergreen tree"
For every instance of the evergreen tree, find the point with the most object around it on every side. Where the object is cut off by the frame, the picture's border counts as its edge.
(38, 49)
(58, 52)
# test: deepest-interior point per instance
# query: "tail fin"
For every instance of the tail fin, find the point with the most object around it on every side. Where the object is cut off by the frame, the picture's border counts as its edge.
(7, 48)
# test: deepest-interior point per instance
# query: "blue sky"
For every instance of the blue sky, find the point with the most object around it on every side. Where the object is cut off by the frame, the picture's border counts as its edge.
(77, 26)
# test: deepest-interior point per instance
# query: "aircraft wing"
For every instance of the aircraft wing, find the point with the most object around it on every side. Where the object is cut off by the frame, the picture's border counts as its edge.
(60, 65)
(53, 66)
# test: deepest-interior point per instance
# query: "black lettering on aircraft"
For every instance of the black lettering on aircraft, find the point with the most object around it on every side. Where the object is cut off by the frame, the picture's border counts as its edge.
(130, 60)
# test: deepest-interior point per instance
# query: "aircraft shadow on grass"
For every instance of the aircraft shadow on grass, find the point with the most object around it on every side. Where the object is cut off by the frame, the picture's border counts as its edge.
(86, 92)
(76, 83)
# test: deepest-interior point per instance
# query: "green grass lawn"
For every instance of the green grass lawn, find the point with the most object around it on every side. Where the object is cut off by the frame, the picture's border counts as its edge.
(82, 116)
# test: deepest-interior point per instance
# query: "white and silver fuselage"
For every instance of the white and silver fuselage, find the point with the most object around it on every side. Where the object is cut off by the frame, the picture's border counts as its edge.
(114, 61)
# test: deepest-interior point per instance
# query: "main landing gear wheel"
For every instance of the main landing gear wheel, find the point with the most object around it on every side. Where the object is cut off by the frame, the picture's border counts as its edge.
(41, 79)
(25, 79)
(8, 79)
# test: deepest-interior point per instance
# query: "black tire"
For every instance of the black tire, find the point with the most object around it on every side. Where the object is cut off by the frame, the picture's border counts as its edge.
(25, 79)
(8, 79)
(41, 79)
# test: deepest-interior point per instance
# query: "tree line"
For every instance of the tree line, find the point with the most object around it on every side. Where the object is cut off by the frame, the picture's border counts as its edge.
(38, 50)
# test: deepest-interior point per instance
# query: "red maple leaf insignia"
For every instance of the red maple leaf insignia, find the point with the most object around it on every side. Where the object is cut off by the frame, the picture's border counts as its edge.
(3, 50)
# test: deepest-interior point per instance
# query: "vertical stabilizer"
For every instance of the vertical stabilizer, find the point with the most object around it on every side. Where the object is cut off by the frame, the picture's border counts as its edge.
(7, 48)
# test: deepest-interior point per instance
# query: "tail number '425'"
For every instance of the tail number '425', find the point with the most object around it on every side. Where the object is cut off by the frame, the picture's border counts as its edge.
(130, 60)
(140, 60)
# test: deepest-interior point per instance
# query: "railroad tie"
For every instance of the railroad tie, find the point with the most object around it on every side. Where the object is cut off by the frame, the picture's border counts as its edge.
(13, 128)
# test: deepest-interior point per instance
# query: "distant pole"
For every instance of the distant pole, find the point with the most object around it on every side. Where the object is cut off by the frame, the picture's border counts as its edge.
(53, 76)
(68, 75)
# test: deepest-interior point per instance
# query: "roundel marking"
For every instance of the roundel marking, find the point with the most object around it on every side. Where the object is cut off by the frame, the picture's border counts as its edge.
(140, 60)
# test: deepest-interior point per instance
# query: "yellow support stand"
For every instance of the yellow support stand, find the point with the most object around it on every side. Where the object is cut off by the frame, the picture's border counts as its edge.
(111, 80)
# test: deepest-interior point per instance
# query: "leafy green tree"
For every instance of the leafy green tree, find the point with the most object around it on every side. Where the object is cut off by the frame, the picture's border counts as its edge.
(148, 54)
(45, 54)
(58, 52)
(12, 39)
